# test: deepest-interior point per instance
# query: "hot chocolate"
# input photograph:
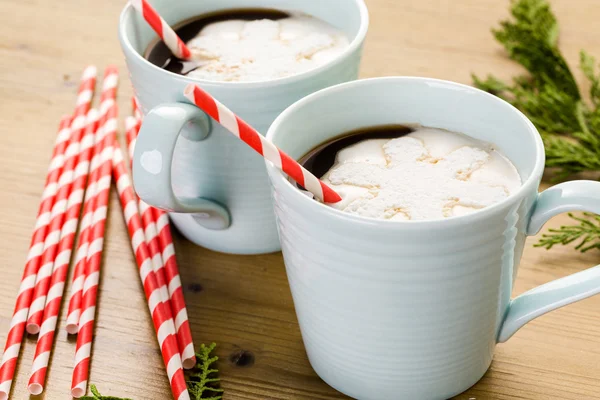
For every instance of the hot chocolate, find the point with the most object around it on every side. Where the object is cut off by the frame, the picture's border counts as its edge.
(251, 45)
(413, 173)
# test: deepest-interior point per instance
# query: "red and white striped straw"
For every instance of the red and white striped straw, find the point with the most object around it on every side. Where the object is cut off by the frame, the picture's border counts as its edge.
(182, 323)
(163, 326)
(74, 309)
(162, 29)
(158, 236)
(137, 111)
(132, 127)
(94, 259)
(107, 98)
(151, 236)
(17, 323)
(42, 283)
(17, 326)
(260, 144)
(67, 237)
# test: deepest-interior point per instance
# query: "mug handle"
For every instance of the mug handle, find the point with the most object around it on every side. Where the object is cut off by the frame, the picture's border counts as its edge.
(569, 196)
(153, 158)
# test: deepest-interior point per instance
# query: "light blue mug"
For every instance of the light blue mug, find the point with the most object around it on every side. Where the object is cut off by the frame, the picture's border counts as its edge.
(413, 310)
(216, 187)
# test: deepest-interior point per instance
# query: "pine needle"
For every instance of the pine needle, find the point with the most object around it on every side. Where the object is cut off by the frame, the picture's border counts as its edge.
(97, 396)
(202, 383)
(588, 66)
(587, 232)
(202, 380)
(549, 96)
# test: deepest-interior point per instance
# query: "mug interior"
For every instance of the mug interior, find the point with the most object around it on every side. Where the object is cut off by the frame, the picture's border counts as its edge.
(350, 16)
(434, 103)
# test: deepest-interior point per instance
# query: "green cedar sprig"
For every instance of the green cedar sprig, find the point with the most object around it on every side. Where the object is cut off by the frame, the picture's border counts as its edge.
(203, 380)
(97, 396)
(588, 232)
(549, 96)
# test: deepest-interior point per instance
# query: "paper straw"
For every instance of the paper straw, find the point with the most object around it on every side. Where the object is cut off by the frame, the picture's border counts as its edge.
(182, 323)
(160, 243)
(107, 98)
(74, 309)
(17, 323)
(151, 234)
(94, 258)
(136, 110)
(59, 209)
(260, 144)
(163, 326)
(45, 341)
(132, 127)
(162, 29)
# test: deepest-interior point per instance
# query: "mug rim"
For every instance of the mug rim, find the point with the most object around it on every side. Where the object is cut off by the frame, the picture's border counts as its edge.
(358, 40)
(285, 185)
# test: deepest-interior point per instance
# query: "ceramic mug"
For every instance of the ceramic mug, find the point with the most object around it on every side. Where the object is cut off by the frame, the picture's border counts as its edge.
(413, 310)
(216, 187)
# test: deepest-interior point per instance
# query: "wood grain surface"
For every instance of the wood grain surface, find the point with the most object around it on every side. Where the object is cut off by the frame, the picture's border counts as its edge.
(243, 302)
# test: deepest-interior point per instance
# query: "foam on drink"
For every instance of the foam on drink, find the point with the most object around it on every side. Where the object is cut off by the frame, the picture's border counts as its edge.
(427, 174)
(258, 50)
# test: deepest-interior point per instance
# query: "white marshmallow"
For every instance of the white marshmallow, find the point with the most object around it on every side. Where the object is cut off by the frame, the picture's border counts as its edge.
(246, 51)
(428, 174)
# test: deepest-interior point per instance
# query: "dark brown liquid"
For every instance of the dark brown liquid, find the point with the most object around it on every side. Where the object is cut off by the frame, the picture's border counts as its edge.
(320, 159)
(160, 55)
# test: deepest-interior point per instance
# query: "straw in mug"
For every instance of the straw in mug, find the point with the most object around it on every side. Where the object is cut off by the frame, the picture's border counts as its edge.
(260, 144)
(163, 30)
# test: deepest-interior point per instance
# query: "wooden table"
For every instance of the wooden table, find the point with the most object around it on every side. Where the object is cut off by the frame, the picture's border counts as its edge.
(243, 303)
